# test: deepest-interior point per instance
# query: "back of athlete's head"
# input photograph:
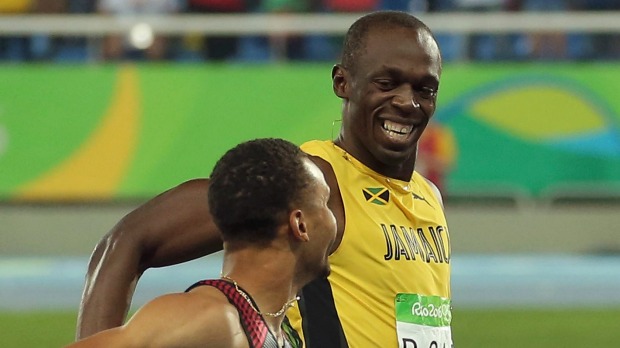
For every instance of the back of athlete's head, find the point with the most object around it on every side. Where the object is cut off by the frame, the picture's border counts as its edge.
(253, 187)
(354, 43)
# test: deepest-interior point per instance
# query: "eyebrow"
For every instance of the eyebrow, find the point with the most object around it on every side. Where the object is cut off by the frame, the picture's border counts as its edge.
(392, 71)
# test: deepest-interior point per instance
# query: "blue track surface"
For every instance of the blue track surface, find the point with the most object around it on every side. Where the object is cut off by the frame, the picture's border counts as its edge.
(478, 281)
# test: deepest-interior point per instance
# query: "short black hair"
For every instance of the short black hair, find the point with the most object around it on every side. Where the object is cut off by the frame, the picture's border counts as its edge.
(355, 39)
(254, 185)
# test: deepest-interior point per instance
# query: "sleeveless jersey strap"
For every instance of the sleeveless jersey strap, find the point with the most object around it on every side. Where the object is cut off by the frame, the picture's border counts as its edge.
(253, 324)
(291, 335)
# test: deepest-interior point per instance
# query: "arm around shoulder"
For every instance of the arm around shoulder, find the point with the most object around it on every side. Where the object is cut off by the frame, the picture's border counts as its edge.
(173, 227)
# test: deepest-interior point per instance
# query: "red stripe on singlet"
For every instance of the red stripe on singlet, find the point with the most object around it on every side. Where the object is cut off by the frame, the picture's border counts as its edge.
(253, 324)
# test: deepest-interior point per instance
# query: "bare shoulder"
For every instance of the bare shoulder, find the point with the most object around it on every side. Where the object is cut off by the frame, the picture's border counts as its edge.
(216, 319)
(325, 167)
(202, 317)
(436, 191)
(335, 199)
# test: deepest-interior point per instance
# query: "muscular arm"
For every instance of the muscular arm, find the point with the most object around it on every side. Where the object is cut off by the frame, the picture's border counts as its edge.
(171, 228)
(335, 200)
(435, 191)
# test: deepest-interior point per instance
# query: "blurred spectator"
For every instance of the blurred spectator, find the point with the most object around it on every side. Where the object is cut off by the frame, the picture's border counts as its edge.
(441, 5)
(327, 47)
(76, 48)
(452, 46)
(400, 5)
(606, 46)
(40, 46)
(310, 47)
(546, 46)
(359, 6)
(279, 47)
(221, 47)
(45, 47)
(14, 6)
(14, 48)
(488, 47)
(141, 42)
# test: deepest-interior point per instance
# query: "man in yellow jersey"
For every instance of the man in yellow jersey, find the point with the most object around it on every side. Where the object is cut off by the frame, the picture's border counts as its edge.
(390, 279)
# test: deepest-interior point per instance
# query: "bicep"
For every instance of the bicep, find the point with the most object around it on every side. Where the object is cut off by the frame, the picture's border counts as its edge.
(335, 199)
(174, 227)
(436, 191)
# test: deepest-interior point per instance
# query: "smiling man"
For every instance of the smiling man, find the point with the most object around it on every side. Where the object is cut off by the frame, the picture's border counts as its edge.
(390, 279)
(394, 252)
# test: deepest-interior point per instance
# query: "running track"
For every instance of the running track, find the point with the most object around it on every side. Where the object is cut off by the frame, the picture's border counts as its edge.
(33, 283)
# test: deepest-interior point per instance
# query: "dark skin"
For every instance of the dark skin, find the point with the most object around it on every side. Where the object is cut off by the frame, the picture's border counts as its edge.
(385, 88)
(397, 71)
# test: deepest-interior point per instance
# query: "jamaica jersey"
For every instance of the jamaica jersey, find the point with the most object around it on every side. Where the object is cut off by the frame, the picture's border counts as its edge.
(390, 276)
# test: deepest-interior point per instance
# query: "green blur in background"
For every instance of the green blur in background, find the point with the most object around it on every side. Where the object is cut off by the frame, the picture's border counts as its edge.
(532, 128)
(471, 328)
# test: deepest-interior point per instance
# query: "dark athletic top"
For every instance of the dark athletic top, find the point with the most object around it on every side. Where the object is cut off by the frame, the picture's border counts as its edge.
(253, 324)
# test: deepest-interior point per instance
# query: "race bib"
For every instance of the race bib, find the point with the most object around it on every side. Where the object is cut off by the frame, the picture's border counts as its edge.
(423, 321)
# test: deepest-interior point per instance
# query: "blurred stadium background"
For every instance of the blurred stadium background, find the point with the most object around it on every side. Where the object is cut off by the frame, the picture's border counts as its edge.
(104, 105)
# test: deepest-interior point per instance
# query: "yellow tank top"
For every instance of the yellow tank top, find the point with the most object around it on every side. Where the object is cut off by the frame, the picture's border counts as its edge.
(395, 242)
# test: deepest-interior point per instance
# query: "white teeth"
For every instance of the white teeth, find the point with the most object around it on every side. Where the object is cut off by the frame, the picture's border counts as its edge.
(396, 127)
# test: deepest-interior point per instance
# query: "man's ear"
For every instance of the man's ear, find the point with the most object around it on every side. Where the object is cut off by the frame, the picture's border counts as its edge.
(297, 222)
(340, 81)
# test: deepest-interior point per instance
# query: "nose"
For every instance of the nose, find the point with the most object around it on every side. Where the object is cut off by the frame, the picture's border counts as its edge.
(405, 98)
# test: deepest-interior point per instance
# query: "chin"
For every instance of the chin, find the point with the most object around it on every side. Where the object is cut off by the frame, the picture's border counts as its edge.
(394, 157)
(326, 272)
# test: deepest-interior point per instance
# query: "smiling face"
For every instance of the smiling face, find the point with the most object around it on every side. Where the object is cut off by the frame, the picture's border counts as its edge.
(389, 98)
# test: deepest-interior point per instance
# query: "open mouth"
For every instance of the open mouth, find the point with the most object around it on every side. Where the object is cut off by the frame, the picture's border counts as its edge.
(395, 130)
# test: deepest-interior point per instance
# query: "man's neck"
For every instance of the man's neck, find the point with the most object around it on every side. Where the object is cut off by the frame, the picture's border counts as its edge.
(266, 276)
(403, 171)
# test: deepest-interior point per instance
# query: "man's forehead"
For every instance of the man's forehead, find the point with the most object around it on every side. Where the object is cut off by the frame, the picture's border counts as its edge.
(383, 28)
(380, 34)
(382, 46)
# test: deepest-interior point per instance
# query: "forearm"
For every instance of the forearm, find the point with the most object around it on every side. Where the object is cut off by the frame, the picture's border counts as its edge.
(171, 228)
(109, 286)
